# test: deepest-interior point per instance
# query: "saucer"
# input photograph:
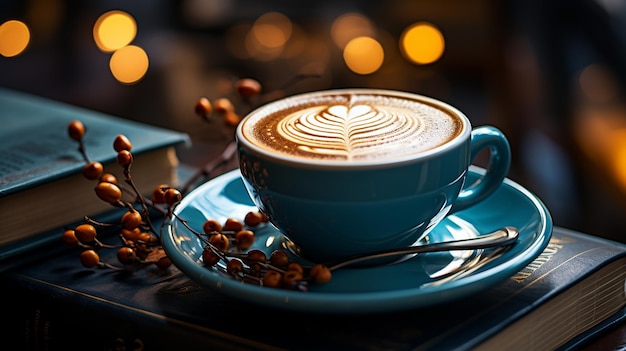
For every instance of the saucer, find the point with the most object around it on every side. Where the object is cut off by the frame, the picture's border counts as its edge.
(385, 288)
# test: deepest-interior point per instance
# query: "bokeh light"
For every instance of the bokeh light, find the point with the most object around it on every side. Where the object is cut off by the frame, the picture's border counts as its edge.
(272, 30)
(363, 55)
(114, 30)
(14, 38)
(349, 26)
(129, 64)
(618, 156)
(422, 43)
(598, 84)
(268, 36)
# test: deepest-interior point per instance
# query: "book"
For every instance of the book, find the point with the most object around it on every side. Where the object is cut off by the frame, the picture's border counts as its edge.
(566, 296)
(41, 185)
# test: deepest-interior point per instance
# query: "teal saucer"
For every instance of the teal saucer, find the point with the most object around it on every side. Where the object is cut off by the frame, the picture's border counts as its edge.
(385, 288)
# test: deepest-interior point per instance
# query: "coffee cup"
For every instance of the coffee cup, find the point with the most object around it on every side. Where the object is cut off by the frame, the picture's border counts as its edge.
(350, 171)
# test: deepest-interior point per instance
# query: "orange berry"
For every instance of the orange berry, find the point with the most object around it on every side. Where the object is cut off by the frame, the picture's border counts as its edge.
(291, 278)
(294, 266)
(109, 178)
(272, 278)
(320, 273)
(93, 170)
(131, 220)
(126, 255)
(85, 233)
(130, 234)
(211, 226)
(124, 158)
(172, 196)
(121, 142)
(146, 237)
(203, 107)
(158, 194)
(255, 256)
(223, 105)
(234, 266)
(209, 257)
(69, 237)
(76, 130)
(244, 239)
(89, 258)
(253, 219)
(108, 192)
(231, 118)
(233, 224)
(248, 87)
(220, 241)
(279, 258)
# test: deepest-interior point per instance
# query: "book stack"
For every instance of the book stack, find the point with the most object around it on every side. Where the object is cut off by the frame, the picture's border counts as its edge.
(571, 292)
(41, 185)
(565, 297)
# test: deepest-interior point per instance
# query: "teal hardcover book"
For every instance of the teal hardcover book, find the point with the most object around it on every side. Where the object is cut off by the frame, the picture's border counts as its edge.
(41, 186)
(573, 290)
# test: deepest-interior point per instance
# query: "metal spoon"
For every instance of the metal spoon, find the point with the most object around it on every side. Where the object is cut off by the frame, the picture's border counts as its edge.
(468, 268)
(501, 237)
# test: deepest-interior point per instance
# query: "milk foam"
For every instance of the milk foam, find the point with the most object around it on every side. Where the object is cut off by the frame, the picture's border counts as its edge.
(350, 127)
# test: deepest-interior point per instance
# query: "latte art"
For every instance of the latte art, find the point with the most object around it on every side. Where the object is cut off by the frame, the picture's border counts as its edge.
(352, 128)
(347, 132)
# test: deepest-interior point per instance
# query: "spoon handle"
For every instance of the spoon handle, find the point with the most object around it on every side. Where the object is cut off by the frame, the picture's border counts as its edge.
(501, 237)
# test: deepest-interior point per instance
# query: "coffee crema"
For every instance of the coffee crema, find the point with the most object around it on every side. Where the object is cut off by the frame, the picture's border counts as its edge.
(350, 127)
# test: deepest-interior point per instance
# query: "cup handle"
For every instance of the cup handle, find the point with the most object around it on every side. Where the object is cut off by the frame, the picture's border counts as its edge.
(499, 163)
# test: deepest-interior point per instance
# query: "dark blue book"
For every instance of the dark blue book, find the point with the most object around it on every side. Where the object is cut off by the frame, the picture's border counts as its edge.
(567, 295)
(41, 187)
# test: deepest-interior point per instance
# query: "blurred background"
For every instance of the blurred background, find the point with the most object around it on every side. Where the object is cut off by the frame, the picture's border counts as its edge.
(550, 73)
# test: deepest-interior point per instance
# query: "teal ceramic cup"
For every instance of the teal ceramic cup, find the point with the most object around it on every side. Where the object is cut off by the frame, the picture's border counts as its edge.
(351, 171)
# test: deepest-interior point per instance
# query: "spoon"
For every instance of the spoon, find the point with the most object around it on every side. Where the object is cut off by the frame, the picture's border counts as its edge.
(501, 237)
(468, 268)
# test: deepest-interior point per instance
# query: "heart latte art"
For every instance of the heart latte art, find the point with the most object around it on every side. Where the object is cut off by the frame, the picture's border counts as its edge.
(351, 127)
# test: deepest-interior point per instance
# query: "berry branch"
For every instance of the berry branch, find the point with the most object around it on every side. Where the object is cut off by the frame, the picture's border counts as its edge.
(226, 245)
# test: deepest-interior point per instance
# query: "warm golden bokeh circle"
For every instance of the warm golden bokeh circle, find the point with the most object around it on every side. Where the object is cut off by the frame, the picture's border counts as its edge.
(363, 55)
(349, 26)
(114, 30)
(422, 43)
(129, 64)
(14, 38)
